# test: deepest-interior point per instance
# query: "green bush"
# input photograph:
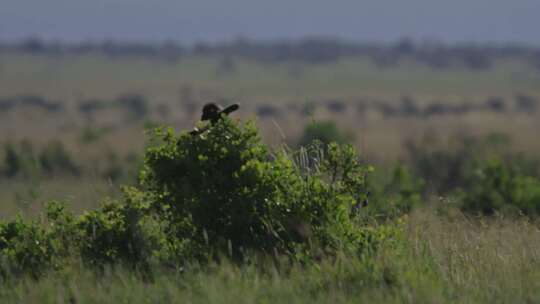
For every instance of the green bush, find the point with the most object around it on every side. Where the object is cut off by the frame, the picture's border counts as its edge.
(19, 160)
(25, 247)
(118, 233)
(501, 188)
(404, 190)
(54, 158)
(23, 160)
(324, 131)
(394, 195)
(136, 104)
(91, 134)
(200, 197)
(447, 167)
(32, 248)
(225, 191)
(114, 167)
(400, 195)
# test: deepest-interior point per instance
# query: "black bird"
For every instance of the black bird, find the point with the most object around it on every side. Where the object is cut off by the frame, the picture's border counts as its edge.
(213, 112)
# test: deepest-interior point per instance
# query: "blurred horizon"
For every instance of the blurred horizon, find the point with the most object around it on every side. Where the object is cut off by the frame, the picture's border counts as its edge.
(436, 86)
(189, 22)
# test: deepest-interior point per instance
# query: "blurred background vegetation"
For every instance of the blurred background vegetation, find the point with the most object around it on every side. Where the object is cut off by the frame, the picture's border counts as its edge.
(436, 200)
(76, 113)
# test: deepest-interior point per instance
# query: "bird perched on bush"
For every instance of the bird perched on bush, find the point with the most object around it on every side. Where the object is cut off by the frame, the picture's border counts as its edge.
(213, 112)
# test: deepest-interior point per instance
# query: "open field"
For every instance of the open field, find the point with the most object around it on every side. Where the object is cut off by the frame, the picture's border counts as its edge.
(27, 197)
(98, 106)
(441, 205)
(76, 77)
(368, 100)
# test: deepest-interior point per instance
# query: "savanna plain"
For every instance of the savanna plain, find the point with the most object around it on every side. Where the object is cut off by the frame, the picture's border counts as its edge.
(399, 173)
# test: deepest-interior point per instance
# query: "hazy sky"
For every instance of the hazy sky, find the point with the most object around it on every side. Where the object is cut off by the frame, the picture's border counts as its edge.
(192, 20)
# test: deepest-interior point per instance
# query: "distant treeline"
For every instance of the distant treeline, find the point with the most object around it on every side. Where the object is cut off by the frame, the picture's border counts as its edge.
(27, 160)
(10, 103)
(138, 107)
(406, 107)
(310, 50)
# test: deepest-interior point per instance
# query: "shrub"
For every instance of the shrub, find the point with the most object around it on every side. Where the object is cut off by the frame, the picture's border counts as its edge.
(308, 108)
(61, 228)
(447, 167)
(89, 107)
(500, 188)
(118, 232)
(91, 134)
(526, 104)
(31, 248)
(224, 191)
(54, 158)
(218, 193)
(395, 195)
(404, 190)
(19, 160)
(325, 131)
(114, 167)
(136, 104)
(37, 101)
(24, 248)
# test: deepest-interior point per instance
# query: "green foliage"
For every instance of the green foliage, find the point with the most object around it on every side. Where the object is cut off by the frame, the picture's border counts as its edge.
(117, 233)
(32, 248)
(200, 197)
(114, 168)
(324, 131)
(135, 103)
(92, 134)
(224, 191)
(400, 195)
(54, 158)
(23, 160)
(405, 190)
(447, 167)
(19, 160)
(500, 188)
(395, 195)
(62, 229)
(456, 259)
(25, 247)
(308, 108)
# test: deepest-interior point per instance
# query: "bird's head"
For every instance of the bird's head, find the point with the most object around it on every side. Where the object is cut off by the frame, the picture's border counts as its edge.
(210, 111)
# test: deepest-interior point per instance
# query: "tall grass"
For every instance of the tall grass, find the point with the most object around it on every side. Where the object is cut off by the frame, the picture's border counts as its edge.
(442, 256)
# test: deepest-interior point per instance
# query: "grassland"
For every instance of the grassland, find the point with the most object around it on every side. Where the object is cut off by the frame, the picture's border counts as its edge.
(442, 256)
(96, 76)
(174, 91)
(26, 197)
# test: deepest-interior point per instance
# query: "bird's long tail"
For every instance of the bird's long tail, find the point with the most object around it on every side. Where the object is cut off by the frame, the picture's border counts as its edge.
(230, 109)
